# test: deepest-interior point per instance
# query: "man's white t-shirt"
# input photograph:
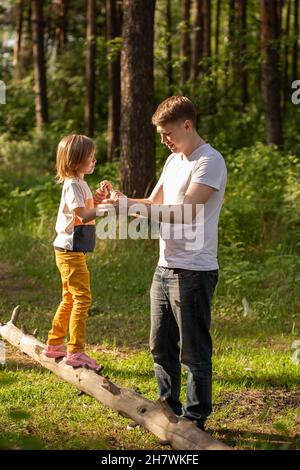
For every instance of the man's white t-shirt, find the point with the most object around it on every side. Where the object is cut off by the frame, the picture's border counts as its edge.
(204, 165)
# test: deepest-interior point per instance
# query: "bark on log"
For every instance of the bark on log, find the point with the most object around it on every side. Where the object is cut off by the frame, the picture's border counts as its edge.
(156, 417)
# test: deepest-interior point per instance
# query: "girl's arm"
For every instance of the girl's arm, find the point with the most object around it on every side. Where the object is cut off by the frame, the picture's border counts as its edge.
(85, 215)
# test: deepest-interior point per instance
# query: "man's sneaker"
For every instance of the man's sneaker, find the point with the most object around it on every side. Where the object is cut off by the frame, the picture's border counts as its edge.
(200, 425)
(80, 359)
(55, 351)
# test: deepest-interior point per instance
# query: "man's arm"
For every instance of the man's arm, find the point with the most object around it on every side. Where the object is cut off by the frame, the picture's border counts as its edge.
(196, 194)
(156, 197)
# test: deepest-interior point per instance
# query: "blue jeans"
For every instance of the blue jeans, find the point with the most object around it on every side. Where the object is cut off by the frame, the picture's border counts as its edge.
(180, 323)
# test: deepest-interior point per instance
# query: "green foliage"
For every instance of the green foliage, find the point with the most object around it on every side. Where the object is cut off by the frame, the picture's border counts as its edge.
(17, 116)
(262, 183)
(257, 300)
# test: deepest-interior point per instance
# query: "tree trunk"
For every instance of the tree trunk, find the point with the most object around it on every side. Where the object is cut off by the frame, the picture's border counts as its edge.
(295, 44)
(157, 417)
(17, 45)
(113, 22)
(217, 36)
(197, 40)
(185, 43)
(285, 78)
(206, 13)
(41, 104)
(62, 23)
(26, 51)
(90, 67)
(169, 47)
(279, 6)
(137, 133)
(241, 73)
(217, 42)
(230, 52)
(270, 70)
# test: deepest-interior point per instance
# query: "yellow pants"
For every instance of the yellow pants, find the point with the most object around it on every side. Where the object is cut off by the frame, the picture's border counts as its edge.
(76, 300)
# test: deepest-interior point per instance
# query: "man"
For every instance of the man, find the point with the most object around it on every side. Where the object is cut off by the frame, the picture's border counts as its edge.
(187, 273)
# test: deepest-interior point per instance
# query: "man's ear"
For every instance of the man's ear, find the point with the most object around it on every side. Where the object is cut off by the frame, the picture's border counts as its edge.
(187, 125)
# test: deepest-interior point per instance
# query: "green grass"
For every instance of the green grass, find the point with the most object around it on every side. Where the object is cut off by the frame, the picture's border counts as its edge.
(255, 395)
(252, 355)
(255, 387)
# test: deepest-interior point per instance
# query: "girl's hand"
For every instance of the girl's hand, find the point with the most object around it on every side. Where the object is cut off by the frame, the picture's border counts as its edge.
(107, 187)
(99, 196)
(103, 192)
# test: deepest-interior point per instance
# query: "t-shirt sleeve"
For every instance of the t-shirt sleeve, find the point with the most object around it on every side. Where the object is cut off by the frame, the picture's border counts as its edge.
(209, 171)
(74, 196)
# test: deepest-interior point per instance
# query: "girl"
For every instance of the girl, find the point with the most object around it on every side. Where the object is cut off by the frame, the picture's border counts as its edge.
(75, 158)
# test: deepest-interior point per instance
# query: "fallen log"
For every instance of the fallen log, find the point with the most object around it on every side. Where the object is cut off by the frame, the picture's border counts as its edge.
(156, 417)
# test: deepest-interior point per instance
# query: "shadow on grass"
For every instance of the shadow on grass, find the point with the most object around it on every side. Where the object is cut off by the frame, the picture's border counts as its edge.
(257, 441)
(22, 441)
(16, 365)
(285, 380)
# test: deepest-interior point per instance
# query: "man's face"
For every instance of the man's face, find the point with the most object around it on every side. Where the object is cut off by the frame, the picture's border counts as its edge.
(175, 135)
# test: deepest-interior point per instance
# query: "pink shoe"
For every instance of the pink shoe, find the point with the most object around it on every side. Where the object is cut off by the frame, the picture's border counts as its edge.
(56, 351)
(81, 359)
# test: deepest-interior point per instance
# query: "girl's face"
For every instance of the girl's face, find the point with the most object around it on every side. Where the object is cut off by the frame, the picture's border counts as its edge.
(88, 166)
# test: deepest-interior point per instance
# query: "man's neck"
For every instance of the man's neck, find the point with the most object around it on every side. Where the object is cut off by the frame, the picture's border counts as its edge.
(196, 142)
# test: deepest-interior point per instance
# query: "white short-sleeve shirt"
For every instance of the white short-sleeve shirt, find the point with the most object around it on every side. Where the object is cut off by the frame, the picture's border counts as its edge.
(72, 234)
(206, 166)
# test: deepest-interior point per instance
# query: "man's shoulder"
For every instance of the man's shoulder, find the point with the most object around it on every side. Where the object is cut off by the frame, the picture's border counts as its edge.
(207, 150)
(208, 155)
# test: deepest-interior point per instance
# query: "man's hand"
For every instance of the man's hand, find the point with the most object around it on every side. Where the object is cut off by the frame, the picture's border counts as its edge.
(114, 197)
(114, 201)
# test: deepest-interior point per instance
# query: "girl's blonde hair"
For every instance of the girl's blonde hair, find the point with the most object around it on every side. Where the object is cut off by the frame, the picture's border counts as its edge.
(72, 151)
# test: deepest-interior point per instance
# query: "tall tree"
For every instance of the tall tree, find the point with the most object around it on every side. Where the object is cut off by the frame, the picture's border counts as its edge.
(230, 52)
(169, 47)
(137, 133)
(185, 42)
(113, 28)
(41, 103)
(241, 63)
(285, 75)
(62, 23)
(217, 34)
(206, 13)
(17, 45)
(90, 67)
(197, 39)
(295, 41)
(269, 36)
(217, 40)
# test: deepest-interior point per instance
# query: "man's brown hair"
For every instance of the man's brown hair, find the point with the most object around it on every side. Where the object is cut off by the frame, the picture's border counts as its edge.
(72, 151)
(173, 109)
